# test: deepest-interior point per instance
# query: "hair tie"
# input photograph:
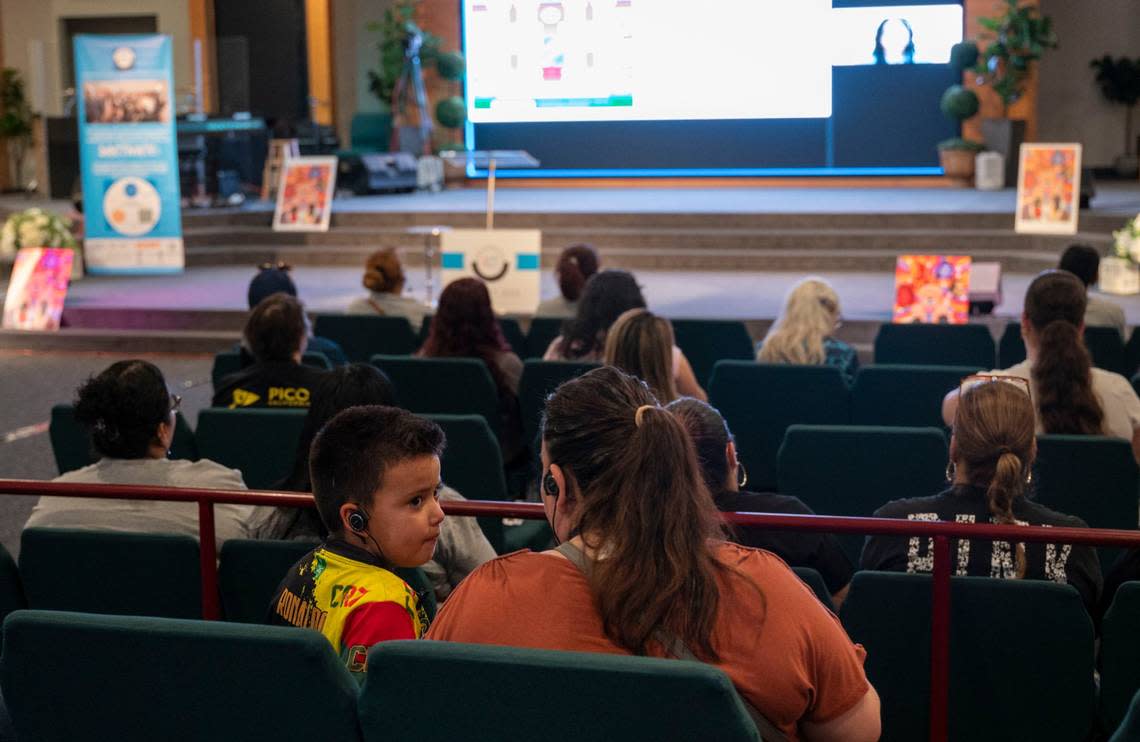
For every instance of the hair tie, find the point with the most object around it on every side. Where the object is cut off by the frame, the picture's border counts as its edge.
(1003, 450)
(641, 411)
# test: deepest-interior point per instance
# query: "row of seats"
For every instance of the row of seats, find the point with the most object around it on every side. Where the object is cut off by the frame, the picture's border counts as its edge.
(248, 680)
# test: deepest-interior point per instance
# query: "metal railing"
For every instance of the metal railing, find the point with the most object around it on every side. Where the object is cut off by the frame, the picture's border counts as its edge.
(940, 531)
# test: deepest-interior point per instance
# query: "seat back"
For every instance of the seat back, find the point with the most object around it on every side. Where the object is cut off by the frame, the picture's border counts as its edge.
(541, 333)
(814, 581)
(512, 332)
(250, 571)
(473, 464)
(260, 443)
(1092, 477)
(659, 699)
(1120, 655)
(370, 132)
(11, 585)
(706, 341)
(232, 361)
(539, 380)
(133, 574)
(903, 395)
(444, 386)
(71, 440)
(1021, 656)
(935, 345)
(1108, 351)
(363, 335)
(1011, 346)
(759, 401)
(130, 678)
(852, 470)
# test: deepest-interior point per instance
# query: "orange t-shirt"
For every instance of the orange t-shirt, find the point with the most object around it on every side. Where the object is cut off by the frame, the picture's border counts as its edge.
(793, 661)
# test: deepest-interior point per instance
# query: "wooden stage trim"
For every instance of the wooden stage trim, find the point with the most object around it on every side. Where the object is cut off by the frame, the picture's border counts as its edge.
(650, 181)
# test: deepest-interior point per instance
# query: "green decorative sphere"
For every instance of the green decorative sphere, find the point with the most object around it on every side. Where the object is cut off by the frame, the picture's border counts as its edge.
(451, 112)
(963, 55)
(451, 65)
(958, 103)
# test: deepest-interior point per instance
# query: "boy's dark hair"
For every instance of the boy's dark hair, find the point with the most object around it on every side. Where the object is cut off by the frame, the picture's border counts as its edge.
(1083, 262)
(352, 453)
(123, 406)
(275, 328)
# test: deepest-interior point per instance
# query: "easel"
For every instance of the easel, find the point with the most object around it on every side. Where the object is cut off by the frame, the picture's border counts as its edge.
(280, 150)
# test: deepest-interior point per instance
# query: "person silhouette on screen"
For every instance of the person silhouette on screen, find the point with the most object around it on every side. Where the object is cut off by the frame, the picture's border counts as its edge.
(894, 42)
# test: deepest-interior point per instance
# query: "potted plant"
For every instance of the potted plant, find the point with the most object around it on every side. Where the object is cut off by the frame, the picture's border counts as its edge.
(16, 119)
(38, 228)
(957, 155)
(1119, 81)
(1120, 272)
(1007, 48)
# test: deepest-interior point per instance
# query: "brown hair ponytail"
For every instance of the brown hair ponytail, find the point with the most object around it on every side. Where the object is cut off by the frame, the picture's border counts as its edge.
(642, 504)
(1063, 376)
(1007, 485)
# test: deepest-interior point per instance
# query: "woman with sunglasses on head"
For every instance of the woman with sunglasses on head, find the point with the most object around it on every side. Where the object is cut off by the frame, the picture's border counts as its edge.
(132, 417)
(643, 568)
(992, 449)
(1072, 397)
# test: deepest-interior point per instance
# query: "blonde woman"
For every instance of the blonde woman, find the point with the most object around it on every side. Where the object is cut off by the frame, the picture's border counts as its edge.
(803, 333)
(641, 343)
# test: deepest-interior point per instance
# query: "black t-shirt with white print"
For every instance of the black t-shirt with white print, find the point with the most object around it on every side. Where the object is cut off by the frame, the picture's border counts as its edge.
(1063, 563)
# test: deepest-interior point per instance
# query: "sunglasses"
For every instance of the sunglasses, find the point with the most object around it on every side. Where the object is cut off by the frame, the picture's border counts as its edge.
(975, 380)
(280, 265)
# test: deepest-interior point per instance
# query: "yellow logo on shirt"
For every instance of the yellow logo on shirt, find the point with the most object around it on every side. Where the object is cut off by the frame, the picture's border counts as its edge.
(242, 398)
(288, 396)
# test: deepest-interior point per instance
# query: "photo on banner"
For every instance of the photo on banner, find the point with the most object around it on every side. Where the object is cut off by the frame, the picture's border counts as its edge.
(507, 260)
(37, 288)
(128, 154)
(305, 195)
(932, 289)
(1048, 189)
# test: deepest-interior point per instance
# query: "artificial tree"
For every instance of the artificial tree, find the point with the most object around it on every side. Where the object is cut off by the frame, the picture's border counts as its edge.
(957, 155)
(16, 121)
(1119, 81)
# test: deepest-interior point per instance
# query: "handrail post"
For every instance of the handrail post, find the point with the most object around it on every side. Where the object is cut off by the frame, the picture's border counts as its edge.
(207, 553)
(940, 642)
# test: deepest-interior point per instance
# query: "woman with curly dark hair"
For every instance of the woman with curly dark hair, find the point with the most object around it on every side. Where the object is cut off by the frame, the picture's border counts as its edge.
(576, 265)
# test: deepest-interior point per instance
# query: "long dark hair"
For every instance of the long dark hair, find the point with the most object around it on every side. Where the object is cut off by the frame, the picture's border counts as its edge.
(464, 326)
(710, 435)
(641, 343)
(607, 295)
(641, 496)
(1055, 307)
(123, 406)
(576, 265)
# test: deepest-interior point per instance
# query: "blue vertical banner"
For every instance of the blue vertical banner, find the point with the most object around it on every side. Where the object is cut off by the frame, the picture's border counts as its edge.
(128, 152)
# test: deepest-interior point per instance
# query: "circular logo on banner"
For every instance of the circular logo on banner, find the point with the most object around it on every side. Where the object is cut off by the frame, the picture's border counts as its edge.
(490, 264)
(132, 206)
(123, 58)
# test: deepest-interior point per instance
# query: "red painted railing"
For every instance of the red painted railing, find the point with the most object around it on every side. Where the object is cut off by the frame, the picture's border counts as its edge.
(940, 531)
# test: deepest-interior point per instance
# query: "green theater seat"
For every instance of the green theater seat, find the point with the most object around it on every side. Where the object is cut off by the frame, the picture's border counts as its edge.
(1021, 656)
(512, 332)
(539, 380)
(935, 345)
(135, 574)
(1120, 655)
(706, 341)
(814, 581)
(541, 334)
(76, 676)
(444, 386)
(1129, 729)
(363, 336)
(1011, 346)
(1106, 348)
(260, 443)
(11, 586)
(852, 470)
(553, 697)
(230, 361)
(907, 396)
(759, 402)
(71, 441)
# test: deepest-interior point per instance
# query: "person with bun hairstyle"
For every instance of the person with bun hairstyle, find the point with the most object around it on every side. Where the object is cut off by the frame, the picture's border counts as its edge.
(1071, 396)
(384, 278)
(992, 449)
(576, 265)
(131, 414)
(642, 568)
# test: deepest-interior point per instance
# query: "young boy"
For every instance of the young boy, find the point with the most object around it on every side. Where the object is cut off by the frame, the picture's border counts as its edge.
(375, 473)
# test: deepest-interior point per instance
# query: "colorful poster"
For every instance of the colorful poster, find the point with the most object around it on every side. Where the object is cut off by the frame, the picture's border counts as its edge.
(507, 260)
(128, 154)
(932, 289)
(304, 197)
(38, 286)
(1048, 189)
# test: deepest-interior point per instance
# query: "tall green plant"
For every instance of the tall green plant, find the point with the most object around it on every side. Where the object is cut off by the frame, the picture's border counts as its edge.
(1009, 45)
(396, 27)
(16, 120)
(1119, 81)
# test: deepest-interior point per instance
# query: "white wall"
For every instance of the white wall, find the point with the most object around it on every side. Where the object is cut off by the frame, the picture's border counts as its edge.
(1070, 105)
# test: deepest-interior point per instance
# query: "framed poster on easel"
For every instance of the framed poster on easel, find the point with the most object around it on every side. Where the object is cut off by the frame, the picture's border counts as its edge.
(305, 194)
(1048, 189)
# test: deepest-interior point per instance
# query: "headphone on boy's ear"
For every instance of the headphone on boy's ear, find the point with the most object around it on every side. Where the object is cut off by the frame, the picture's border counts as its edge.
(357, 521)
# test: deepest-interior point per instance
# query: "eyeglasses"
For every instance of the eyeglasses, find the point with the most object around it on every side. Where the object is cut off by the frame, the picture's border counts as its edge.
(280, 265)
(1018, 382)
(175, 403)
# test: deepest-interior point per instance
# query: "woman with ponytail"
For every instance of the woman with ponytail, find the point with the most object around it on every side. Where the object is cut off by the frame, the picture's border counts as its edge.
(576, 265)
(992, 450)
(643, 568)
(1072, 397)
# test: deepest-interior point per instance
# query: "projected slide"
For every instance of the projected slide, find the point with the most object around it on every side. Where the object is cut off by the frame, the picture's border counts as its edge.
(646, 60)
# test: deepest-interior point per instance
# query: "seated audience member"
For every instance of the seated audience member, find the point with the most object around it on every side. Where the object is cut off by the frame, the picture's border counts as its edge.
(376, 482)
(384, 278)
(724, 476)
(991, 458)
(465, 326)
(462, 546)
(1072, 397)
(131, 414)
(277, 334)
(804, 333)
(276, 280)
(641, 343)
(643, 569)
(607, 296)
(1084, 263)
(576, 265)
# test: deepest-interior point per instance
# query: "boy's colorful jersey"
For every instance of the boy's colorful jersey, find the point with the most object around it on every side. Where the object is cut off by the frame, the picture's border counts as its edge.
(348, 595)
